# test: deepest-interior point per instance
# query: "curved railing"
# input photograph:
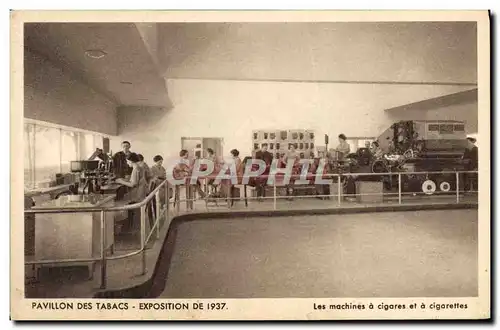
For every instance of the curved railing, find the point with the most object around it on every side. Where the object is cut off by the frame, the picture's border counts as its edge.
(165, 211)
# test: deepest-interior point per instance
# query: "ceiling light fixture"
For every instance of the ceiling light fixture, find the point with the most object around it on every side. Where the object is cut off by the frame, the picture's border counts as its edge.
(95, 53)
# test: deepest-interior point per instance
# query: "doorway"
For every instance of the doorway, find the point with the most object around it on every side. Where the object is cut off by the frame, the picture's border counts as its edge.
(197, 146)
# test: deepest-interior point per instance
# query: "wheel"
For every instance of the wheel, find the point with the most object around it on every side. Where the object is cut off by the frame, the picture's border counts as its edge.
(429, 187)
(445, 186)
(379, 167)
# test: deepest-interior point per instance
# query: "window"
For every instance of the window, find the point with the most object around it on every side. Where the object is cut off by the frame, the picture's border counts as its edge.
(29, 155)
(49, 149)
(353, 144)
(47, 153)
(446, 129)
(69, 149)
(434, 128)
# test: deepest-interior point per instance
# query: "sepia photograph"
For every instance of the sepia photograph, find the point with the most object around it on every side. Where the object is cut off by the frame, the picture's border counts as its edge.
(187, 164)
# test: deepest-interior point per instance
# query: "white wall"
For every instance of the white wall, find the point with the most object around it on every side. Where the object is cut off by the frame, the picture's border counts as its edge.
(52, 95)
(232, 109)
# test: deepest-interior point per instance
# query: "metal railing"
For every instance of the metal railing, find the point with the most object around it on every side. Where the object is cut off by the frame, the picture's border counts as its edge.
(103, 258)
(165, 211)
(337, 181)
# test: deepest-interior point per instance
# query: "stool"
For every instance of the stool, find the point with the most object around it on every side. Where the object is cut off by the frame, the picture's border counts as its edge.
(189, 195)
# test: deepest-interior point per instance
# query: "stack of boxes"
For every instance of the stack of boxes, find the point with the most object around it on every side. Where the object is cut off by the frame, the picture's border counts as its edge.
(280, 141)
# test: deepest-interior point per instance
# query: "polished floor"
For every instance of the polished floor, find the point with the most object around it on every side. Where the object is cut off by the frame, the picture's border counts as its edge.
(65, 282)
(395, 254)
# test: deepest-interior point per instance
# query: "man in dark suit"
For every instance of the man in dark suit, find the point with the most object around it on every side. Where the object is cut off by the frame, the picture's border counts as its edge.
(471, 154)
(120, 166)
(267, 157)
(264, 155)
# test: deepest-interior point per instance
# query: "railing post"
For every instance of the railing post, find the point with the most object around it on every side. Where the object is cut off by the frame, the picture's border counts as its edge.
(457, 186)
(158, 212)
(339, 191)
(167, 202)
(274, 194)
(177, 197)
(103, 250)
(399, 188)
(143, 239)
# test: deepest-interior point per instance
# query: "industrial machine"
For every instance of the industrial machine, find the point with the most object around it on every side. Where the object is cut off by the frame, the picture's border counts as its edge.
(93, 175)
(421, 146)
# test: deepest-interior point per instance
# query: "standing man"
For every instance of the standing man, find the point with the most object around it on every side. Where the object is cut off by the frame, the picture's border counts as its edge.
(471, 154)
(264, 155)
(120, 167)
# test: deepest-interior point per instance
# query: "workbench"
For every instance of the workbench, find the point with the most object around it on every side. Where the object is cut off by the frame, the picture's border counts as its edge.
(61, 236)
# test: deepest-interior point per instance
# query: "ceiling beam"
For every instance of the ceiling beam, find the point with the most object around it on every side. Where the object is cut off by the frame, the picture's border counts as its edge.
(323, 81)
(465, 97)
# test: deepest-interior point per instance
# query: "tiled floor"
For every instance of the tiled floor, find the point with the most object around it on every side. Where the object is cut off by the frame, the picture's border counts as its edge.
(127, 272)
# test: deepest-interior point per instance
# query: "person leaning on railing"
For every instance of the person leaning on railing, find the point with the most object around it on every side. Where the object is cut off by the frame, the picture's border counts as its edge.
(138, 188)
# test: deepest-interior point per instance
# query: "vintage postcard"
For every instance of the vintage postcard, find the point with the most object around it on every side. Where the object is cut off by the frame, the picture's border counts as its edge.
(250, 165)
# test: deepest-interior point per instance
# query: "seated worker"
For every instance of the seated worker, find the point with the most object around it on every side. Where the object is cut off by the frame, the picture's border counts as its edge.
(183, 170)
(261, 181)
(292, 156)
(147, 170)
(292, 153)
(343, 149)
(138, 188)
(228, 185)
(264, 155)
(376, 151)
(364, 156)
(216, 161)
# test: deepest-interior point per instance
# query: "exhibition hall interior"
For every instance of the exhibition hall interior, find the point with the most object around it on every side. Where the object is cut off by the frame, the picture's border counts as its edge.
(250, 160)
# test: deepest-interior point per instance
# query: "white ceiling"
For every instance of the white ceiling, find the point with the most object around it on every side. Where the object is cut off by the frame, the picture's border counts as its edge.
(127, 74)
(431, 59)
(417, 52)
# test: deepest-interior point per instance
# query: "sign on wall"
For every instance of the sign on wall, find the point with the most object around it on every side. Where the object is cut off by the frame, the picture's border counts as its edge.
(280, 141)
